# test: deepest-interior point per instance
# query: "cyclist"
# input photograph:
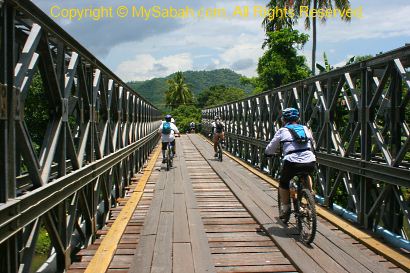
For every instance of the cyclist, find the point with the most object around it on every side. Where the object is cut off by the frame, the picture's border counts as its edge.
(298, 157)
(167, 131)
(218, 131)
(192, 127)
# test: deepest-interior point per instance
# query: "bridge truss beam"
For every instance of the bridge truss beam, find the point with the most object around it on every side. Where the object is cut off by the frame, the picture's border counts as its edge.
(97, 134)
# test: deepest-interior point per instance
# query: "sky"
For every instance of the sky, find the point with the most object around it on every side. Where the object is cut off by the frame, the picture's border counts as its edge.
(137, 48)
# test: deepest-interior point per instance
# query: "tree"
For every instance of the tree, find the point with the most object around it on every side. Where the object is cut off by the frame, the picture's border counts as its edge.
(281, 64)
(184, 115)
(287, 21)
(318, 4)
(178, 92)
(219, 94)
(277, 20)
(352, 60)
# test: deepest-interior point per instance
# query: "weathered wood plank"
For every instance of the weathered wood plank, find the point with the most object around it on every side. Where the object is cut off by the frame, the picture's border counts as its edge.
(181, 228)
(162, 259)
(200, 248)
(143, 256)
(182, 258)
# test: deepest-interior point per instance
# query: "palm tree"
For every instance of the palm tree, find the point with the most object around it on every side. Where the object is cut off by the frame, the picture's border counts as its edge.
(178, 92)
(278, 23)
(287, 22)
(319, 4)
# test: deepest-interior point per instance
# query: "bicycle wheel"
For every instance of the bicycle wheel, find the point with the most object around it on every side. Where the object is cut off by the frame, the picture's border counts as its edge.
(220, 151)
(306, 219)
(171, 157)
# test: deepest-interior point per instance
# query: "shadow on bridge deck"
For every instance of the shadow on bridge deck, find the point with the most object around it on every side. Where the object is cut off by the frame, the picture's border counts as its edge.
(209, 216)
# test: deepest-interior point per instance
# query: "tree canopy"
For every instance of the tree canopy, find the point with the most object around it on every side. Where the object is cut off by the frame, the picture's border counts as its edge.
(178, 92)
(219, 94)
(281, 64)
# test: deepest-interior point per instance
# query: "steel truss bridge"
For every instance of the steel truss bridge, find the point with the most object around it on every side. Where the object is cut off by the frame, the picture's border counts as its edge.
(67, 177)
(359, 115)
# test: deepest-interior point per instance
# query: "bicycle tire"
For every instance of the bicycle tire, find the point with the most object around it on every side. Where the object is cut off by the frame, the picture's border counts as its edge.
(171, 157)
(306, 219)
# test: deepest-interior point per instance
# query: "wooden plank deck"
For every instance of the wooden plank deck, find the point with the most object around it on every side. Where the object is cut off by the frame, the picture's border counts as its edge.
(332, 250)
(209, 216)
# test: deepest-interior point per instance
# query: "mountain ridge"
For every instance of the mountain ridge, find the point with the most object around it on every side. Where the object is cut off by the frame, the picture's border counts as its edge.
(154, 89)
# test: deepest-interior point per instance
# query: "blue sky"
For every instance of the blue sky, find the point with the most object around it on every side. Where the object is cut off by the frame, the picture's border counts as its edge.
(137, 49)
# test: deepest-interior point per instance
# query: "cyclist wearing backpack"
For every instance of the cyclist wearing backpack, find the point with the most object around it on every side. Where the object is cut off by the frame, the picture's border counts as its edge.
(297, 146)
(192, 126)
(167, 131)
(218, 130)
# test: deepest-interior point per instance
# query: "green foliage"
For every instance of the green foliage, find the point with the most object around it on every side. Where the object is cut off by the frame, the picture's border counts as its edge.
(42, 250)
(178, 92)
(219, 94)
(36, 111)
(327, 67)
(281, 64)
(273, 20)
(154, 90)
(358, 59)
(184, 115)
(43, 244)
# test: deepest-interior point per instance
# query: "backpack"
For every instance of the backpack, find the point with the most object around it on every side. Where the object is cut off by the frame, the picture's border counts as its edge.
(298, 133)
(166, 128)
(219, 127)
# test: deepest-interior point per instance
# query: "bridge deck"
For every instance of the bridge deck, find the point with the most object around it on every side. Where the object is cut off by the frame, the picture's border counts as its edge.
(210, 216)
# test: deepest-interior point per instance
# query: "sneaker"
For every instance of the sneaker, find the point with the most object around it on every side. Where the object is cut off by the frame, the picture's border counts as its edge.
(216, 155)
(164, 160)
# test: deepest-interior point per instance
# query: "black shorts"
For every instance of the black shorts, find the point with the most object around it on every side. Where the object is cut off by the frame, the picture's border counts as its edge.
(164, 144)
(290, 169)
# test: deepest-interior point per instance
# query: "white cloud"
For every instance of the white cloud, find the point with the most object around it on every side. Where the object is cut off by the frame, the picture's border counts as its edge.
(388, 22)
(145, 66)
(343, 63)
(242, 58)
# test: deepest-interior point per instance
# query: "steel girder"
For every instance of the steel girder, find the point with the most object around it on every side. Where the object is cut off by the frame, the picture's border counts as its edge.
(99, 134)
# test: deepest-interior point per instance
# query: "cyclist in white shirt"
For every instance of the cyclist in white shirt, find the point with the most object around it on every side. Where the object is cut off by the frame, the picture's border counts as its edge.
(297, 144)
(167, 131)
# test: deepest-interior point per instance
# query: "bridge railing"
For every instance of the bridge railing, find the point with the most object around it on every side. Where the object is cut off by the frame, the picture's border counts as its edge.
(72, 134)
(359, 115)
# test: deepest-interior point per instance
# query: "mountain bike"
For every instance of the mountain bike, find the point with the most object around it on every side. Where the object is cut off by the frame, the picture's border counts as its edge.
(302, 206)
(169, 156)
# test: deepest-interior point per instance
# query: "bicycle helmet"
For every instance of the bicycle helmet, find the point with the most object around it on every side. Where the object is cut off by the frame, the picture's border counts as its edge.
(168, 118)
(290, 114)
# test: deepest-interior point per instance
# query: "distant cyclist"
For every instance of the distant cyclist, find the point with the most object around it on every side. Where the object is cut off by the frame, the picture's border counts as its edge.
(167, 131)
(192, 127)
(297, 143)
(218, 131)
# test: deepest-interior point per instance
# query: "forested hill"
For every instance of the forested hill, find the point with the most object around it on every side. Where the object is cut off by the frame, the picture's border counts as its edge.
(154, 90)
